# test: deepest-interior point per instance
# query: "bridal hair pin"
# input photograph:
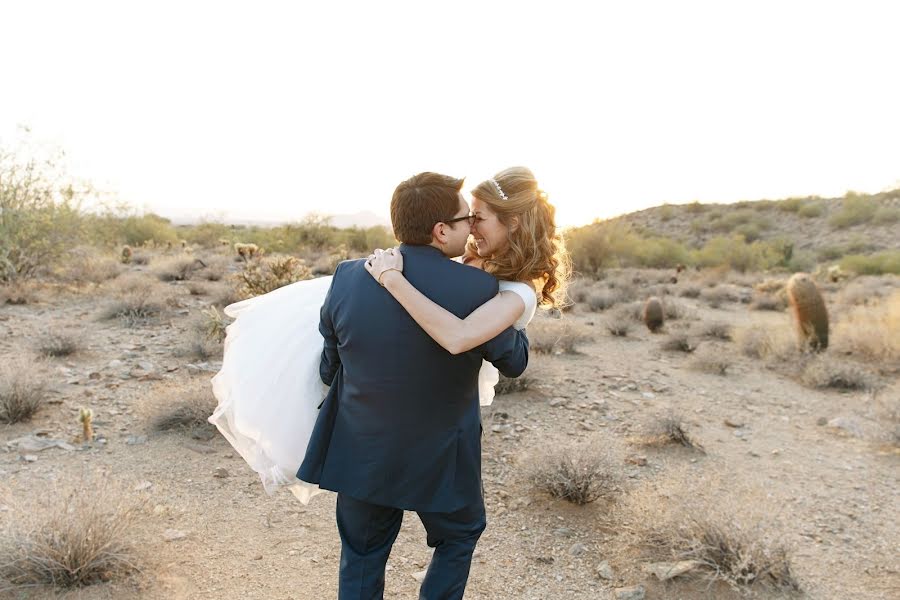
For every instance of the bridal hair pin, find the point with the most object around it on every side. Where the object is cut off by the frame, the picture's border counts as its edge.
(499, 189)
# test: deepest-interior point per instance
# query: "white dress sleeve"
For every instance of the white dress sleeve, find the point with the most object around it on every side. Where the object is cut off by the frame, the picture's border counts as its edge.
(489, 376)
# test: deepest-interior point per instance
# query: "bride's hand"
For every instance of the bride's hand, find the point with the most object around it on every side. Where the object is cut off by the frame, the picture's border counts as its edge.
(382, 261)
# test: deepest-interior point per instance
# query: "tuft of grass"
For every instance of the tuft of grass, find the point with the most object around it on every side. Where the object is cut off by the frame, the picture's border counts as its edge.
(22, 391)
(670, 430)
(178, 268)
(829, 373)
(690, 292)
(601, 300)
(727, 537)
(58, 344)
(872, 333)
(508, 385)
(578, 474)
(679, 342)
(712, 363)
(74, 537)
(185, 409)
(767, 302)
(554, 336)
(138, 300)
(718, 330)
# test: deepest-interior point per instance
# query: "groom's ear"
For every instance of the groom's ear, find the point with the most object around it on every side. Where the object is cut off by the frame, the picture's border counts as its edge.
(437, 232)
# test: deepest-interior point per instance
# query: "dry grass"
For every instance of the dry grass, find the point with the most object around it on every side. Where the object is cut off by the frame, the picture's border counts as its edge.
(711, 362)
(619, 325)
(508, 385)
(177, 268)
(22, 390)
(872, 333)
(70, 537)
(87, 265)
(58, 344)
(138, 299)
(681, 519)
(826, 372)
(579, 474)
(669, 430)
(184, 408)
(600, 300)
(768, 302)
(767, 344)
(19, 293)
(679, 342)
(555, 336)
(718, 330)
(206, 334)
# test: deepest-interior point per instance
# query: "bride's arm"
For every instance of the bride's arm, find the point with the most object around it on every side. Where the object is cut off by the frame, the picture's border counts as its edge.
(454, 334)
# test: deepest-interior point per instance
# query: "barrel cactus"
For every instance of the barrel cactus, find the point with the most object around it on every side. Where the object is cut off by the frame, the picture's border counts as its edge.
(810, 314)
(653, 314)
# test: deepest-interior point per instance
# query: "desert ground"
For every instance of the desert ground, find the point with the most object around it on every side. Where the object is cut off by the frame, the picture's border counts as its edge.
(714, 444)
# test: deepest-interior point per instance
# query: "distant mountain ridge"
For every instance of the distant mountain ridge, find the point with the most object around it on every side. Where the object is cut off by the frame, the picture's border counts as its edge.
(362, 219)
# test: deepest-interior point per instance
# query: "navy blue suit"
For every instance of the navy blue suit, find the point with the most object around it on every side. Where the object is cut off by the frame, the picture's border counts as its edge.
(400, 427)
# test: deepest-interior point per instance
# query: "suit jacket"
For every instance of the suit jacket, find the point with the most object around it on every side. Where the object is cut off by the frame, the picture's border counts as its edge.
(401, 424)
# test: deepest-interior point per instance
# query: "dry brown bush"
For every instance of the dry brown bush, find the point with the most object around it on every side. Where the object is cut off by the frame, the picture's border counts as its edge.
(690, 292)
(579, 474)
(555, 336)
(827, 372)
(679, 342)
(185, 407)
(177, 268)
(714, 363)
(872, 333)
(217, 267)
(508, 385)
(599, 300)
(88, 265)
(73, 536)
(619, 324)
(22, 390)
(19, 293)
(766, 343)
(58, 344)
(718, 330)
(669, 429)
(727, 531)
(767, 302)
(138, 299)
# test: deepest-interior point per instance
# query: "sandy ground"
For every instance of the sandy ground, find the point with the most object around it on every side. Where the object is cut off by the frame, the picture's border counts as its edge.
(834, 494)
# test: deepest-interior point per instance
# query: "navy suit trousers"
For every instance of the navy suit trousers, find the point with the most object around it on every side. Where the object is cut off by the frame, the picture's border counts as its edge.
(368, 531)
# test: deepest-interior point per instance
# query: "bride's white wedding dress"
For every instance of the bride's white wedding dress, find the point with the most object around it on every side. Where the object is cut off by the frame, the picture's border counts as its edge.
(269, 389)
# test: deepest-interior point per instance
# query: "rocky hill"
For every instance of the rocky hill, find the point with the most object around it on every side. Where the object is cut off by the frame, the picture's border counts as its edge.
(827, 227)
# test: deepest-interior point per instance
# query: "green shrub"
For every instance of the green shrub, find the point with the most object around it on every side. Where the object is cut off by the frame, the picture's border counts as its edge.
(855, 210)
(39, 215)
(736, 253)
(886, 215)
(880, 263)
(812, 209)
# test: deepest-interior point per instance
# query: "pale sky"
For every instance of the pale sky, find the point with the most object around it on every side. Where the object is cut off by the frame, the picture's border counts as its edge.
(271, 110)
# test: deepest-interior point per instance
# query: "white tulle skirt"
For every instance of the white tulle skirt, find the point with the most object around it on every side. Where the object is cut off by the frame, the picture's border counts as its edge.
(269, 390)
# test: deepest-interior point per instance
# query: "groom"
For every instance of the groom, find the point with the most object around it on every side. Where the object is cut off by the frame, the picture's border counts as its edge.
(400, 428)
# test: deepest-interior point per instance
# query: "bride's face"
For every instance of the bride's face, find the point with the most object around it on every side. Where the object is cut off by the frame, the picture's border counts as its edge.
(491, 236)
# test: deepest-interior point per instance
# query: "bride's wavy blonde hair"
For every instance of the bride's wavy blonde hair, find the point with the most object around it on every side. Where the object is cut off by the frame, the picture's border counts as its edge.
(536, 251)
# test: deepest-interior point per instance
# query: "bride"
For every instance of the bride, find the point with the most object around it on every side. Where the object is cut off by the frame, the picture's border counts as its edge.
(268, 389)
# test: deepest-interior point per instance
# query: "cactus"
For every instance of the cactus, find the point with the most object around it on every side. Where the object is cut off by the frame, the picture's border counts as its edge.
(86, 416)
(247, 251)
(653, 314)
(810, 314)
(127, 254)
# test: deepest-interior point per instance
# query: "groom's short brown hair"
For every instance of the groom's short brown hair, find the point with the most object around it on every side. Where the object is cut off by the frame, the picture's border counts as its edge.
(420, 202)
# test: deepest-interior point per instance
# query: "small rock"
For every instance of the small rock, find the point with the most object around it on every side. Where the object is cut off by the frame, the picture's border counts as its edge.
(420, 575)
(558, 402)
(586, 426)
(221, 473)
(134, 440)
(29, 457)
(846, 426)
(640, 461)
(635, 592)
(199, 448)
(733, 423)
(171, 535)
(144, 485)
(257, 557)
(821, 421)
(604, 571)
(668, 570)
(648, 395)
(564, 532)
(113, 364)
(577, 549)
